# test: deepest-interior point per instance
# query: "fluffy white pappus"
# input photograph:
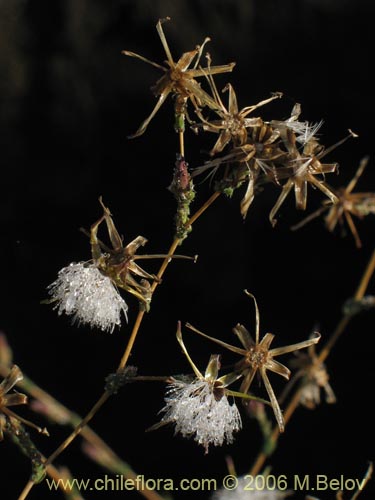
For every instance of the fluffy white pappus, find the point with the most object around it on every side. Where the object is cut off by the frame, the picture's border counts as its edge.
(305, 131)
(242, 492)
(82, 291)
(196, 412)
(310, 395)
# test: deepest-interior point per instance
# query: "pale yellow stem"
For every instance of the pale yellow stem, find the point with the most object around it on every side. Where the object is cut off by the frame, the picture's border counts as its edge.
(182, 144)
(105, 396)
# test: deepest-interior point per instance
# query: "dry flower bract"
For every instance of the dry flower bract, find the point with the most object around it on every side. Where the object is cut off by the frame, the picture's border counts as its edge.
(118, 262)
(262, 152)
(232, 124)
(6, 400)
(314, 377)
(7, 416)
(258, 357)
(348, 204)
(88, 291)
(179, 79)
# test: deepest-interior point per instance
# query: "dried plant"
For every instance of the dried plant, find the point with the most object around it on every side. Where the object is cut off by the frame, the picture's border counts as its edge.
(258, 358)
(88, 291)
(314, 377)
(347, 204)
(200, 407)
(179, 79)
(7, 400)
(249, 153)
(278, 150)
(7, 416)
(232, 124)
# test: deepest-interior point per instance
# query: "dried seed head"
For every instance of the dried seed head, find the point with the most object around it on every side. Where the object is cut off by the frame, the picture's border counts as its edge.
(83, 292)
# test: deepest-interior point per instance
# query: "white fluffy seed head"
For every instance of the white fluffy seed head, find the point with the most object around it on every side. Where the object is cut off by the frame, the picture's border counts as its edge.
(242, 492)
(83, 292)
(195, 412)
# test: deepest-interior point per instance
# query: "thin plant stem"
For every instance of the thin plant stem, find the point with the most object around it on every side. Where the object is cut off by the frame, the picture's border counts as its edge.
(203, 208)
(159, 275)
(182, 143)
(90, 436)
(26, 490)
(117, 466)
(364, 481)
(130, 344)
(139, 318)
(106, 395)
(359, 294)
(362, 287)
(54, 474)
(294, 402)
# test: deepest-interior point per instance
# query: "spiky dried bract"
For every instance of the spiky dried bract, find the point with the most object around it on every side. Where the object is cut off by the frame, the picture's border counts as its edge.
(179, 79)
(262, 152)
(257, 357)
(196, 411)
(233, 123)
(83, 292)
(314, 378)
(15, 375)
(348, 204)
(242, 492)
(118, 263)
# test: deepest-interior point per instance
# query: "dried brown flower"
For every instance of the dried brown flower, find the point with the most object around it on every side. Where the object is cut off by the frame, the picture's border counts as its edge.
(348, 204)
(16, 398)
(258, 357)
(118, 263)
(302, 168)
(314, 377)
(6, 400)
(233, 123)
(179, 79)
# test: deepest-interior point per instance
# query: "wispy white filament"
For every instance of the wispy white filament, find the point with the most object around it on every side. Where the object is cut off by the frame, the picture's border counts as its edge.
(195, 412)
(83, 292)
(305, 131)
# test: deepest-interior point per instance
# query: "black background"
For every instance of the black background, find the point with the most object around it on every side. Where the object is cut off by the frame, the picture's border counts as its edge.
(69, 99)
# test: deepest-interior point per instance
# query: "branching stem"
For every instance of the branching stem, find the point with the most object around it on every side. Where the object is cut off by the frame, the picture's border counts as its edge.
(128, 349)
(294, 402)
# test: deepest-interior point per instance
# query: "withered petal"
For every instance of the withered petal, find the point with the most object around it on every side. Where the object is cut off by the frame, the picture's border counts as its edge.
(244, 336)
(278, 368)
(294, 347)
(14, 399)
(273, 399)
